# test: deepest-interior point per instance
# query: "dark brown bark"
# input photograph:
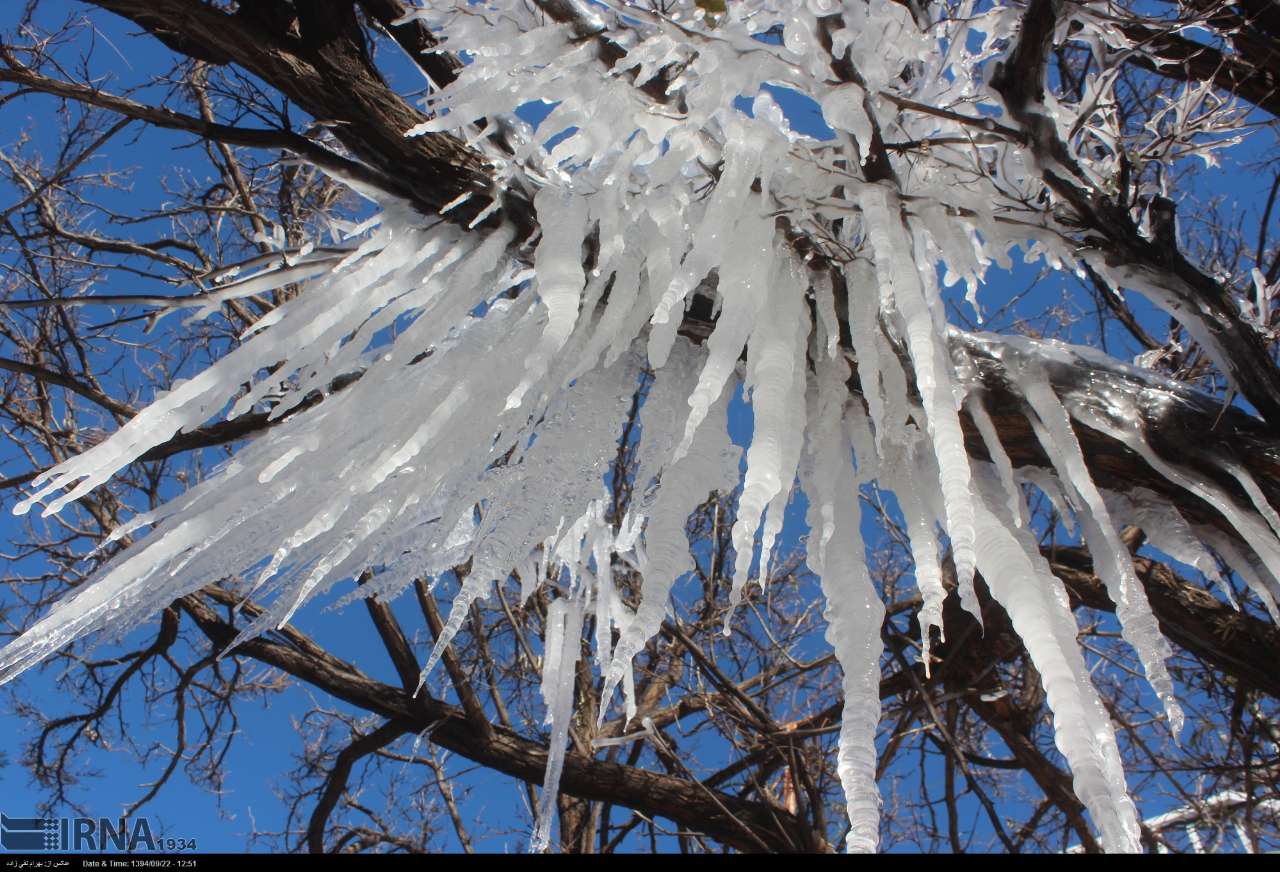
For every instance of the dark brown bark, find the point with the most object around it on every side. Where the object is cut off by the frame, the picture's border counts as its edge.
(319, 60)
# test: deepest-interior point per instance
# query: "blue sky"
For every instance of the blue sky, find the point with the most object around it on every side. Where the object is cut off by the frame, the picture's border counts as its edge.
(267, 735)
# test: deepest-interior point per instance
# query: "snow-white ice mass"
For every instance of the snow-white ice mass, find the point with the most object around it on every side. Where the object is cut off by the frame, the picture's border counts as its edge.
(476, 376)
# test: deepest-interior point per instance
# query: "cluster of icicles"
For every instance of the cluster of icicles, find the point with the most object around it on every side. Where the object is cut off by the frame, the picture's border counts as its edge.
(495, 374)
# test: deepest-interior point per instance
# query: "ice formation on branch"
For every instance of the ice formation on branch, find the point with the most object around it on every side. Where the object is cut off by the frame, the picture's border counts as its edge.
(483, 430)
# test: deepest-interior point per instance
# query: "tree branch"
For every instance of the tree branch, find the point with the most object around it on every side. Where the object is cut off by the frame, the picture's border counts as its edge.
(505, 751)
(320, 62)
(342, 168)
(336, 783)
(1113, 238)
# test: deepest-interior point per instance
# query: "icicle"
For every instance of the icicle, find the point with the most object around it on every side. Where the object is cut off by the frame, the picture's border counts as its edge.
(1250, 528)
(1253, 491)
(1167, 531)
(1049, 485)
(999, 458)
(731, 206)
(743, 281)
(901, 466)
(791, 444)
(606, 594)
(771, 376)
(854, 611)
(1037, 604)
(552, 651)
(864, 309)
(662, 415)
(560, 281)
(623, 296)
(868, 461)
(825, 303)
(1258, 578)
(843, 108)
(563, 648)
(895, 262)
(1138, 623)
(554, 479)
(711, 464)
